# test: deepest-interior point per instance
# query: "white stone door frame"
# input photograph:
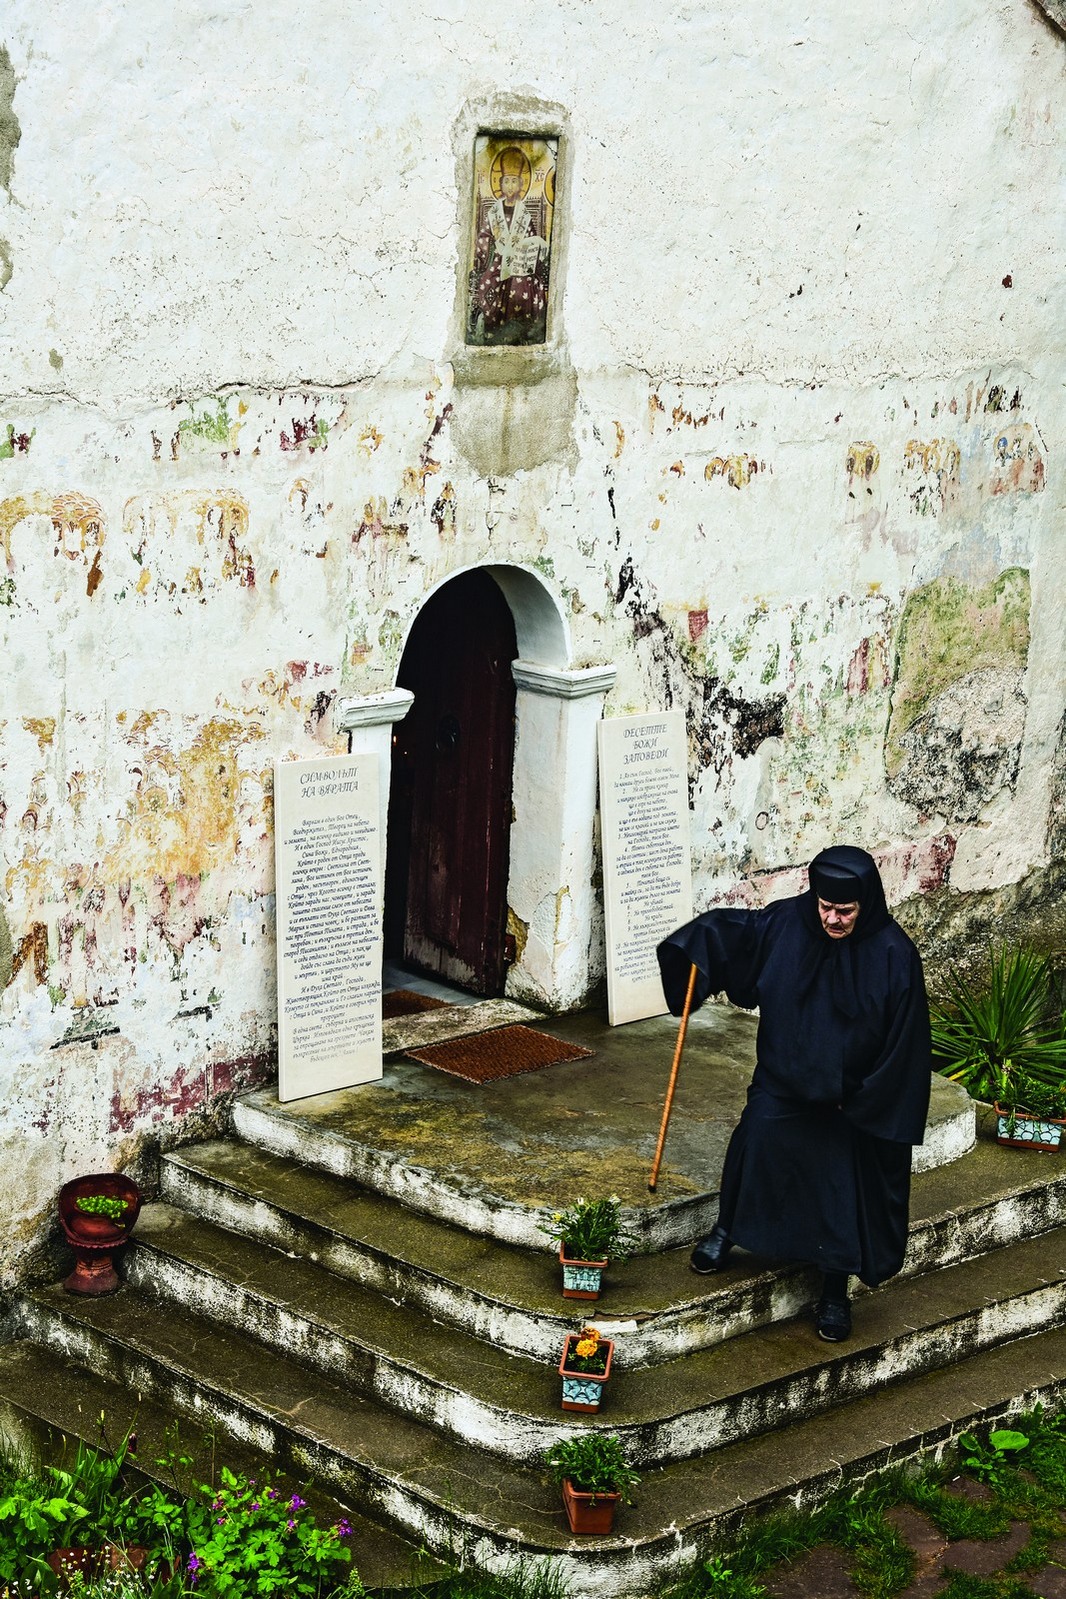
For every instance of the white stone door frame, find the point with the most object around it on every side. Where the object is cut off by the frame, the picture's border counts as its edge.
(552, 908)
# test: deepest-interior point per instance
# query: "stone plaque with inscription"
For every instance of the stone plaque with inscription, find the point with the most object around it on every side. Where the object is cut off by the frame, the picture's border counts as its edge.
(327, 832)
(647, 864)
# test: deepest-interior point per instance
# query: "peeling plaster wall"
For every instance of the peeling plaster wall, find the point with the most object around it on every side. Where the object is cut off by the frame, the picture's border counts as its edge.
(791, 463)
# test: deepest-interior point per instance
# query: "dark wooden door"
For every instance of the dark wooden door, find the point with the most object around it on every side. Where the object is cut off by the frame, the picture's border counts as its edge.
(450, 795)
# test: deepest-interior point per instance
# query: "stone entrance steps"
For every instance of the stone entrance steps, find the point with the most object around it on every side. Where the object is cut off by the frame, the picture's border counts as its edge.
(409, 1365)
(401, 1360)
(509, 1295)
(455, 1497)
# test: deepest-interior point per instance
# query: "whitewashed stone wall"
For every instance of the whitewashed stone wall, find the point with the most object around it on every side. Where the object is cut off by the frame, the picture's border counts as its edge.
(791, 462)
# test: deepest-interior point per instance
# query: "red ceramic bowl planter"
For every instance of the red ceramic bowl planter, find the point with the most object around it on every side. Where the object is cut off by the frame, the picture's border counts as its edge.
(589, 1514)
(94, 1239)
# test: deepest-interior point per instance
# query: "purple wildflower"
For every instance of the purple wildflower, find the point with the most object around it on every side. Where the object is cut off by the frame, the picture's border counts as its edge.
(343, 1529)
(254, 1505)
(272, 1493)
(195, 1567)
(289, 1525)
(296, 1503)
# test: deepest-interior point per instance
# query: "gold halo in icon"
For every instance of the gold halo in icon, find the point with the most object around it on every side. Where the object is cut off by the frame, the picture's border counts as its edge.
(511, 161)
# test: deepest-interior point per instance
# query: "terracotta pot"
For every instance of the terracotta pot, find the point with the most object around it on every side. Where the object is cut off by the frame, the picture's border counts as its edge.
(582, 1279)
(94, 1239)
(1028, 1132)
(71, 1558)
(589, 1514)
(583, 1390)
(89, 1561)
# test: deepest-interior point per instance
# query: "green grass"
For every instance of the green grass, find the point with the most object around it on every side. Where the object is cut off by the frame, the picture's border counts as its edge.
(964, 1587)
(522, 1580)
(1029, 1486)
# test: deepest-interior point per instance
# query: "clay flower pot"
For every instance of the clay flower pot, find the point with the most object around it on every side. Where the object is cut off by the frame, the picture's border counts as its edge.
(95, 1239)
(88, 1561)
(589, 1514)
(71, 1558)
(582, 1279)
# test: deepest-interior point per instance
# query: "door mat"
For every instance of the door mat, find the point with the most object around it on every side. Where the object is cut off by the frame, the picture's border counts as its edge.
(405, 1002)
(505, 1052)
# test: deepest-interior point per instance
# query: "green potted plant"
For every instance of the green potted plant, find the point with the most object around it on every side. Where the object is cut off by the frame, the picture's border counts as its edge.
(584, 1368)
(96, 1213)
(589, 1235)
(1005, 1017)
(595, 1479)
(1029, 1114)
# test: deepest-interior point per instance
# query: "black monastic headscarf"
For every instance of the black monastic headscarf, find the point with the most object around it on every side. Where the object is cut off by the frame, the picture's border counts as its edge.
(840, 876)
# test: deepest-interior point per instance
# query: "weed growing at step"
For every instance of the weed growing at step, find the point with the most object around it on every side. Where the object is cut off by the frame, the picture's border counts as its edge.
(522, 1580)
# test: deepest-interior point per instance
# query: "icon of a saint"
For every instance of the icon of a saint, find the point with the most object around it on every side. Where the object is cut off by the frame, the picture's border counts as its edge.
(509, 282)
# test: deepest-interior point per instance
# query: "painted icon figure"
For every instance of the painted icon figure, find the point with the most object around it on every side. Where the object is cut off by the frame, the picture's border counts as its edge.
(509, 281)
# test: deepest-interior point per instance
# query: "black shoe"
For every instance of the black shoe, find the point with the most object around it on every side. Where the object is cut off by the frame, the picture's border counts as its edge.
(711, 1253)
(833, 1320)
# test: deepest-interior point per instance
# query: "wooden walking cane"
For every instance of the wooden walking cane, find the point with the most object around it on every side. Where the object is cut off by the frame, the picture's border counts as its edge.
(672, 1085)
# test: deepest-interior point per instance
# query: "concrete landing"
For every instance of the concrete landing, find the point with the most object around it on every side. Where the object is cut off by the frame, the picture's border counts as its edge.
(493, 1157)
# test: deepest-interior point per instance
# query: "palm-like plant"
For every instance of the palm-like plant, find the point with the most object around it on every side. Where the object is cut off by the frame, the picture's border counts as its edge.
(1002, 1024)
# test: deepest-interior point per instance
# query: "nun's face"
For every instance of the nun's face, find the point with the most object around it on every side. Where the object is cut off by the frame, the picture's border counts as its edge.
(838, 920)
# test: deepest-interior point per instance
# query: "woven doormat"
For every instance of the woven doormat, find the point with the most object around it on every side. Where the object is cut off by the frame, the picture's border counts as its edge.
(505, 1052)
(405, 1002)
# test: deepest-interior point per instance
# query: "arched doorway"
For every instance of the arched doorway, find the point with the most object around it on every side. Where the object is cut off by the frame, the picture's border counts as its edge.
(450, 793)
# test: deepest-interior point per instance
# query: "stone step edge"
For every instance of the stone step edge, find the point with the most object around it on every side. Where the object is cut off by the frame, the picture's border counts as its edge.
(721, 1309)
(402, 1382)
(626, 1566)
(259, 1119)
(71, 1411)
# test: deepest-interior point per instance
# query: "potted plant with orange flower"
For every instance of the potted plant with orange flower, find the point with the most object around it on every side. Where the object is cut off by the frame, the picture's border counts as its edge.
(585, 1368)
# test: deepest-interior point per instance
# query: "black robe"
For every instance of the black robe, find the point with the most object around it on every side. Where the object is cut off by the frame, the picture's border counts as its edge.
(818, 1167)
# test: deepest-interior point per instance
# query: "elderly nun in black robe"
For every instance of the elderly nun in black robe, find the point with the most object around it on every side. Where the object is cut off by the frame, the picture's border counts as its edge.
(818, 1167)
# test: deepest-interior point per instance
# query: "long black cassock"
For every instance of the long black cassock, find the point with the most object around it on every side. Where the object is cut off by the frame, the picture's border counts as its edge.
(818, 1167)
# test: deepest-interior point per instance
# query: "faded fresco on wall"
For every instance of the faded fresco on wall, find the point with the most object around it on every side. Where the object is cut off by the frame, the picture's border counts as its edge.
(511, 229)
(958, 709)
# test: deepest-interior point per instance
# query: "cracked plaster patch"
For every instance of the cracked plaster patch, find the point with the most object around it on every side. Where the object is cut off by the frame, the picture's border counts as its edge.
(965, 747)
(10, 132)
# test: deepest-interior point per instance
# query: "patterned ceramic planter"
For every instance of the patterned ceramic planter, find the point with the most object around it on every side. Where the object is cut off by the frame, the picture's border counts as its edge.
(1027, 1132)
(583, 1390)
(582, 1279)
(589, 1514)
